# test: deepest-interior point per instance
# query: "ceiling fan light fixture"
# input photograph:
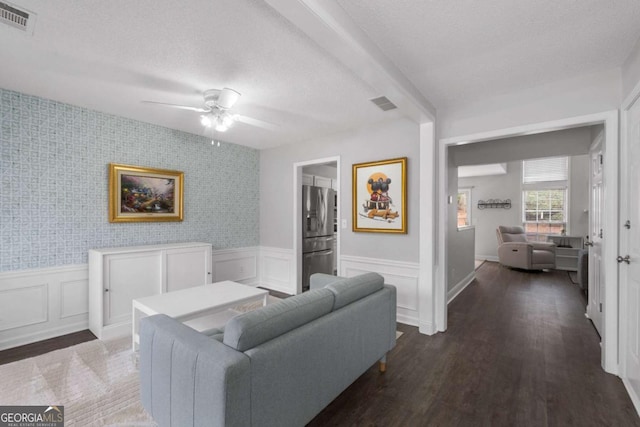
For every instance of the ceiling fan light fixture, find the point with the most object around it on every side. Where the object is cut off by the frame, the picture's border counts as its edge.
(206, 121)
(227, 98)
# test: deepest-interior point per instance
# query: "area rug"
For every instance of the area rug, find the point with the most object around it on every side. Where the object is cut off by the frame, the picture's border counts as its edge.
(96, 382)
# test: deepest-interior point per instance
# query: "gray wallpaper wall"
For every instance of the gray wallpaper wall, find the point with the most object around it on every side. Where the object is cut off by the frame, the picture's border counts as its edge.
(54, 183)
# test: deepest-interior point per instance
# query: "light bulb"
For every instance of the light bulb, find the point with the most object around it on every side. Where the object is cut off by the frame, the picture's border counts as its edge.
(206, 121)
(221, 127)
(227, 120)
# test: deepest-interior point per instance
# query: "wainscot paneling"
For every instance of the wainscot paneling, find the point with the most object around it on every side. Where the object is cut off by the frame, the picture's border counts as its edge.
(238, 265)
(276, 269)
(402, 275)
(41, 304)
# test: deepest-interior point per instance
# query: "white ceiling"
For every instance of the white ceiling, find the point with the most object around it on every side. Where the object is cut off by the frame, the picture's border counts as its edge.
(111, 55)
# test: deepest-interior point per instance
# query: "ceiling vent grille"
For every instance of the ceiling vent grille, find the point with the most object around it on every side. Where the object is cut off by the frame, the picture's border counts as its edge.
(17, 18)
(383, 103)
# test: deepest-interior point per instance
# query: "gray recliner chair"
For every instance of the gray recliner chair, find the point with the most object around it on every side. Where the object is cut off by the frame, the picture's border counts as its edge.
(514, 250)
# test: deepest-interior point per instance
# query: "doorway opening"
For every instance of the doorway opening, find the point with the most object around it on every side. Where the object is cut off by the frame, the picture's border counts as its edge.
(609, 216)
(316, 213)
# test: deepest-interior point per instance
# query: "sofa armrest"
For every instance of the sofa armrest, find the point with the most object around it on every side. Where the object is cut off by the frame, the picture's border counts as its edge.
(515, 254)
(187, 378)
(320, 280)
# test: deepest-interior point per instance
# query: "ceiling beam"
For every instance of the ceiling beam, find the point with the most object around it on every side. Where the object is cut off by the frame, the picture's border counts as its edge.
(329, 26)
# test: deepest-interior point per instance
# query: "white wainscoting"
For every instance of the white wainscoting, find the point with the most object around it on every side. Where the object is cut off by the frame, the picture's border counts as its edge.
(402, 275)
(276, 269)
(43, 303)
(238, 265)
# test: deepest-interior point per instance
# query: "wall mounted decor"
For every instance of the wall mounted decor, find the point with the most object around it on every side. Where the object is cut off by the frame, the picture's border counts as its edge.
(494, 204)
(380, 196)
(139, 194)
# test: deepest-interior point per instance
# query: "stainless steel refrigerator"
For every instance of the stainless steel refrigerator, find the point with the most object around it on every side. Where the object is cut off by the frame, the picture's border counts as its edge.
(317, 232)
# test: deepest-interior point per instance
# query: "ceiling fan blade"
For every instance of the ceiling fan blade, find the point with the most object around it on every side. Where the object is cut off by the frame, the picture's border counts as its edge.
(255, 122)
(227, 98)
(181, 107)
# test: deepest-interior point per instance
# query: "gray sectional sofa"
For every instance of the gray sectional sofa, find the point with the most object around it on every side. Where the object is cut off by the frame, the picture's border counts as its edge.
(279, 365)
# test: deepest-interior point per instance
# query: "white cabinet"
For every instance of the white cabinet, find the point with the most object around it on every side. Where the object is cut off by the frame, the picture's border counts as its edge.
(119, 275)
(320, 181)
(567, 251)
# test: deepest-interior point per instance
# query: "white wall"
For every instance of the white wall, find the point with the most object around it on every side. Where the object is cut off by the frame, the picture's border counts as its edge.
(460, 253)
(486, 221)
(325, 171)
(631, 70)
(579, 95)
(579, 196)
(397, 138)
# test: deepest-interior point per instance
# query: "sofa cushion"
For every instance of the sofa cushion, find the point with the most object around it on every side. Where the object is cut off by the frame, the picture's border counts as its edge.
(253, 328)
(320, 280)
(351, 289)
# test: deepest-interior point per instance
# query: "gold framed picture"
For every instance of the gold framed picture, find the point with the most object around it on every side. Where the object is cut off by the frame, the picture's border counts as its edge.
(380, 196)
(140, 194)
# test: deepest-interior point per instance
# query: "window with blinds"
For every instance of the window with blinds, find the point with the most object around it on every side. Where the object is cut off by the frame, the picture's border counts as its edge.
(545, 170)
(544, 196)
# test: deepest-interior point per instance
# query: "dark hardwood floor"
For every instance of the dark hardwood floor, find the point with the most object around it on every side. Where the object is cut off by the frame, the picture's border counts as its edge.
(518, 352)
(41, 347)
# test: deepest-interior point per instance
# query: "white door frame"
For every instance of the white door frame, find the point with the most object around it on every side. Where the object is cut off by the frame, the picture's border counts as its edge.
(629, 101)
(610, 243)
(297, 215)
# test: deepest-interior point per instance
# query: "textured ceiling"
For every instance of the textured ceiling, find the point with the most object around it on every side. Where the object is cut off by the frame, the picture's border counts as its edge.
(464, 50)
(111, 55)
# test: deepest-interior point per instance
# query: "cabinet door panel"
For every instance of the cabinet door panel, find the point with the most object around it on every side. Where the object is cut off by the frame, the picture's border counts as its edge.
(185, 268)
(129, 276)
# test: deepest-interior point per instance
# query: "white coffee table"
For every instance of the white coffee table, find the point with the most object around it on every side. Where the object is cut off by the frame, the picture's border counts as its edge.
(194, 303)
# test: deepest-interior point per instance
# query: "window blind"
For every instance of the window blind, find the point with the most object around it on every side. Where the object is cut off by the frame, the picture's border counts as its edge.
(545, 170)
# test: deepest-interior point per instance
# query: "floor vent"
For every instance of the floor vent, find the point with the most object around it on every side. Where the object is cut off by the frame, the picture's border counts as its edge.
(17, 18)
(383, 103)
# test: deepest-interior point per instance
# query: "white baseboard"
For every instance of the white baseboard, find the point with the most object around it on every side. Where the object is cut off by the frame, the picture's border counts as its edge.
(427, 328)
(460, 286)
(635, 399)
(493, 258)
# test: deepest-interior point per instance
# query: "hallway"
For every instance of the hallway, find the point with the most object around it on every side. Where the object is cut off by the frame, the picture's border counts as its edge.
(518, 351)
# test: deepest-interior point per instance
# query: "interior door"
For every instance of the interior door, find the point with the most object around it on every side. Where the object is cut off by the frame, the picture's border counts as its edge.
(630, 246)
(596, 271)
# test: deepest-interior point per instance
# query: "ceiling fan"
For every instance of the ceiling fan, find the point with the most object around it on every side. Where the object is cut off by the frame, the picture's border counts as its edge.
(216, 112)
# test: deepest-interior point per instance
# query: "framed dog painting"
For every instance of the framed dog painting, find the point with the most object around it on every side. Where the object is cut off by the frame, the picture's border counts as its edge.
(380, 196)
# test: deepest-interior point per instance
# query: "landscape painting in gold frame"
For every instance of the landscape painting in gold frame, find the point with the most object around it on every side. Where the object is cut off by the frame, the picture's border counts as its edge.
(380, 196)
(140, 194)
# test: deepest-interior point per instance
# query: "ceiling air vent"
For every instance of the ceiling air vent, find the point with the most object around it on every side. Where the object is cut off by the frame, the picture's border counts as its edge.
(17, 18)
(383, 103)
